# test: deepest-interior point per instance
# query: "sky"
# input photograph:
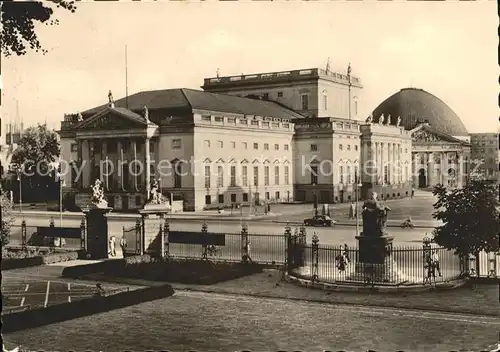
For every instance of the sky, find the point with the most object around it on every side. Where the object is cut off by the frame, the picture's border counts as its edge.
(446, 48)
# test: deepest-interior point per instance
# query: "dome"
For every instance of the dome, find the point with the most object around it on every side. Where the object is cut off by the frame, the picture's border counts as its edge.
(416, 106)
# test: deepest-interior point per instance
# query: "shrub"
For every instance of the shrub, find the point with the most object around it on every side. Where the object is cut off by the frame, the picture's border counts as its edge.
(7, 218)
(60, 257)
(138, 259)
(22, 254)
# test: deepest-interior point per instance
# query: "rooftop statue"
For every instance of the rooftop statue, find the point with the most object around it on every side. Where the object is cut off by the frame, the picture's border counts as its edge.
(98, 195)
(398, 122)
(146, 113)
(374, 217)
(388, 121)
(381, 119)
(110, 98)
(79, 117)
(369, 119)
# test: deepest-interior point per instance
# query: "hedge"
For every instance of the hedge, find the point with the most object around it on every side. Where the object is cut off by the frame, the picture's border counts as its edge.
(17, 263)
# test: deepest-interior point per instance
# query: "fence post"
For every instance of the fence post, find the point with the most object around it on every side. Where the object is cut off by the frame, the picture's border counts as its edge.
(23, 234)
(166, 231)
(288, 250)
(83, 234)
(204, 241)
(302, 246)
(472, 265)
(138, 236)
(161, 236)
(245, 244)
(315, 259)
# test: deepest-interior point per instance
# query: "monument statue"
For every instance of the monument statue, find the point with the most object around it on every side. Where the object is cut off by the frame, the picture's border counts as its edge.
(388, 120)
(381, 119)
(110, 98)
(155, 196)
(369, 119)
(398, 121)
(374, 217)
(79, 117)
(98, 195)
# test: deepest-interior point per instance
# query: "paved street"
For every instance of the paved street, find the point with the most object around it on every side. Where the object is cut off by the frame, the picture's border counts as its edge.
(215, 322)
(332, 236)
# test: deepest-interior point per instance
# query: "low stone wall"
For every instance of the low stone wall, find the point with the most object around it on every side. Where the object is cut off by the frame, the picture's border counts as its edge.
(53, 314)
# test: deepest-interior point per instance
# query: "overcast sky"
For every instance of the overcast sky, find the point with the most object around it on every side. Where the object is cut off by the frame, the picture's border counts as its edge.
(446, 48)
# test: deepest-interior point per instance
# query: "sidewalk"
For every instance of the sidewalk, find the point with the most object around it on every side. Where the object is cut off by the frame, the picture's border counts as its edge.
(424, 224)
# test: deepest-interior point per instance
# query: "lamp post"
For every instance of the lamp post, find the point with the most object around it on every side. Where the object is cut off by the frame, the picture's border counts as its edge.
(61, 185)
(19, 179)
(358, 185)
(315, 201)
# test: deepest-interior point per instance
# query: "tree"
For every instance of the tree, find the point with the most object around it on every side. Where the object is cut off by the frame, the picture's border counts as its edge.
(19, 19)
(471, 221)
(35, 156)
(7, 217)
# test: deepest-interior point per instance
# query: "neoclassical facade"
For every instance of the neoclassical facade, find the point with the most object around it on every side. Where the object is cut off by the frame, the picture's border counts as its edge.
(267, 137)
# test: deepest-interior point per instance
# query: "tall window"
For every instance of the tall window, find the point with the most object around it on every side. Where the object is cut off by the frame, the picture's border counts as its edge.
(341, 174)
(276, 175)
(276, 147)
(314, 147)
(256, 176)
(220, 144)
(266, 146)
(286, 146)
(233, 176)
(244, 175)
(355, 107)
(266, 175)
(305, 102)
(356, 174)
(386, 176)
(220, 176)
(256, 146)
(348, 174)
(178, 175)
(176, 144)
(287, 175)
(207, 176)
(314, 175)
(325, 102)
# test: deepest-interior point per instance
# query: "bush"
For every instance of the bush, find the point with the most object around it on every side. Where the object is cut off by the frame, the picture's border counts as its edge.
(59, 257)
(7, 218)
(22, 254)
(137, 259)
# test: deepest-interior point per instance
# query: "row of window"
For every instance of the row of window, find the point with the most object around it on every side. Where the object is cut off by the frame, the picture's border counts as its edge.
(220, 144)
(126, 146)
(244, 198)
(243, 181)
(314, 147)
(347, 176)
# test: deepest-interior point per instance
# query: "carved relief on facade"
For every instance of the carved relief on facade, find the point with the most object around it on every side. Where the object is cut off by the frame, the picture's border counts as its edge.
(426, 137)
(109, 122)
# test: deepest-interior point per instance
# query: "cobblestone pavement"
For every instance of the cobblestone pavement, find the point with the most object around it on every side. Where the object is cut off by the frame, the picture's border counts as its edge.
(193, 321)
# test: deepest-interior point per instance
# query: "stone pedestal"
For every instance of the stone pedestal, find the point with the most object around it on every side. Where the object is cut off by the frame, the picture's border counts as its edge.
(152, 227)
(375, 262)
(97, 243)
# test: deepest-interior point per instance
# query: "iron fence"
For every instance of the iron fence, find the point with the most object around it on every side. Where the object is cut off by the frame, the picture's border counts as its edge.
(403, 265)
(265, 249)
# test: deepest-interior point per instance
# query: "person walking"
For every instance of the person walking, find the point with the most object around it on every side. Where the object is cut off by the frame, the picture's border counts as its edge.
(123, 244)
(435, 262)
(352, 210)
(412, 192)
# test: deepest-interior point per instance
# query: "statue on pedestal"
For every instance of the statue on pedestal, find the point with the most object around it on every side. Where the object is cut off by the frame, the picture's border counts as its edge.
(374, 217)
(155, 196)
(98, 195)
(398, 121)
(369, 119)
(388, 121)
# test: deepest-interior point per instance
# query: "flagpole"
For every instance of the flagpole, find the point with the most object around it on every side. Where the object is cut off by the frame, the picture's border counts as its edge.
(349, 78)
(121, 166)
(126, 77)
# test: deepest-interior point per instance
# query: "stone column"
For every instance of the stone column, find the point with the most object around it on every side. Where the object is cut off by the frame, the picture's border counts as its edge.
(92, 162)
(382, 159)
(148, 162)
(444, 168)
(430, 169)
(376, 160)
(136, 167)
(415, 169)
(104, 157)
(460, 174)
(119, 158)
(80, 164)
(389, 161)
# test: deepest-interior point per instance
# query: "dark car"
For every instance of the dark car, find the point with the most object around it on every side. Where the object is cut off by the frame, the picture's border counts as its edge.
(319, 220)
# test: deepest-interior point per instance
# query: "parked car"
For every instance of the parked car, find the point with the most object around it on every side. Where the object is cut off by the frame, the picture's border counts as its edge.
(320, 220)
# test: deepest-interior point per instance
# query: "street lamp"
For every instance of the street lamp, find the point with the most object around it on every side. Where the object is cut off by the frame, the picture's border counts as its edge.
(358, 185)
(315, 200)
(19, 179)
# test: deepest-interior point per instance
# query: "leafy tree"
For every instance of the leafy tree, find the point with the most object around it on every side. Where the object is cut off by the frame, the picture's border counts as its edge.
(19, 19)
(7, 217)
(37, 151)
(471, 221)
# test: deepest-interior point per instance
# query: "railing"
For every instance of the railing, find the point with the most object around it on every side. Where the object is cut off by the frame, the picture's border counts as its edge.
(486, 265)
(264, 249)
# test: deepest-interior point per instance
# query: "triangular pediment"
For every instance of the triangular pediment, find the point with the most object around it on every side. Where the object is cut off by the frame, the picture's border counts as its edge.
(426, 134)
(113, 119)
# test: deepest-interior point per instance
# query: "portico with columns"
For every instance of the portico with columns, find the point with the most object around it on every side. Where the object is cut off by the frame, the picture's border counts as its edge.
(438, 158)
(114, 145)
(385, 159)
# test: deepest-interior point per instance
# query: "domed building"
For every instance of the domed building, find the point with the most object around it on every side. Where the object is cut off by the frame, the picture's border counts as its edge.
(440, 141)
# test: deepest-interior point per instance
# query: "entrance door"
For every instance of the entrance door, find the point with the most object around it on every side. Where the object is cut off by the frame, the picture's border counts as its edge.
(257, 200)
(341, 196)
(422, 179)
